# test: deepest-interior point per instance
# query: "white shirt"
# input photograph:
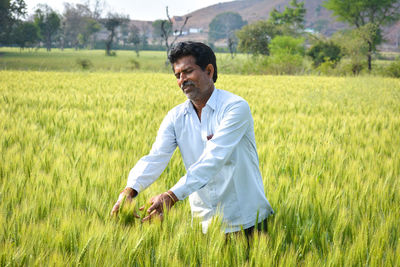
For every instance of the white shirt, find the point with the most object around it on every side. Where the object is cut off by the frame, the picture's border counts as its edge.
(223, 175)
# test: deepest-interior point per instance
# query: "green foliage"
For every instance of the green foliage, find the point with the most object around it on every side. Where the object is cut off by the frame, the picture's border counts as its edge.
(90, 27)
(329, 157)
(287, 45)
(79, 25)
(291, 16)
(286, 55)
(113, 21)
(11, 11)
(135, 38)
(326, 66)
(393, 69)
(224, 25)
(26, 34)
(324, 51)
(368, 16)
(134, 64)
(48, 22)
(361, 12)
(255, 38)
(354, 48)
(84, 63)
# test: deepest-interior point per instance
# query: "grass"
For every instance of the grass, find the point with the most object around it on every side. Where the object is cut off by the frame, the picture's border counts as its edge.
(124, 61)
(329, 156)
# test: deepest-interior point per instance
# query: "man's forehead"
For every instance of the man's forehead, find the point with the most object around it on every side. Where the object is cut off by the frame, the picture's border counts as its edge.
(184, 62)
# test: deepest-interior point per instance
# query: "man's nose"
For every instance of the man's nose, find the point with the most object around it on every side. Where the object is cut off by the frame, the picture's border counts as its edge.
(182, 78)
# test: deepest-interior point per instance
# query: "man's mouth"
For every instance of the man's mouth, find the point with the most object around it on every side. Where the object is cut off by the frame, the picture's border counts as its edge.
(187, 84)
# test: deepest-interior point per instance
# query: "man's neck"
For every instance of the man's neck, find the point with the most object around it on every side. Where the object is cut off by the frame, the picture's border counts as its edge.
(201, 103)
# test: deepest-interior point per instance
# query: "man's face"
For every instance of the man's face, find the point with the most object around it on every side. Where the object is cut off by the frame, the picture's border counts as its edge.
(194, 82)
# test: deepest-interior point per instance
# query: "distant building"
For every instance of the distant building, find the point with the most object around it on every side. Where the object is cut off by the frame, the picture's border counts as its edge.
(195, 30)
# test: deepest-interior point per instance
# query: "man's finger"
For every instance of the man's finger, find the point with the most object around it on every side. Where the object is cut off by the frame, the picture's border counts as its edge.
(148, 217)
(115, 209)
(141, 208)
(151, 200)
(153, 207)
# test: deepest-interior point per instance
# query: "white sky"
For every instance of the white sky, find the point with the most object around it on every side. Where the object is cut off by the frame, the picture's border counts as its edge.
(139, 10)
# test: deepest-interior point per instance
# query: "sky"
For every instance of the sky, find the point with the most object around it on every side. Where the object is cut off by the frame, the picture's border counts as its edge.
(137, 10)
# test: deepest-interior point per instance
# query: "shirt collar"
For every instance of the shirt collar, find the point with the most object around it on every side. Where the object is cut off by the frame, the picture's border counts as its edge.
(212, 102)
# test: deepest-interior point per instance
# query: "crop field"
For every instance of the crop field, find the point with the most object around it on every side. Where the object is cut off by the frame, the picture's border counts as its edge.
(329, 152)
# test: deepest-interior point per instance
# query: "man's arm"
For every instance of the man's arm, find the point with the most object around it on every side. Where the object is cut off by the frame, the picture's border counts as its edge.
(150, 167)
(218, 149)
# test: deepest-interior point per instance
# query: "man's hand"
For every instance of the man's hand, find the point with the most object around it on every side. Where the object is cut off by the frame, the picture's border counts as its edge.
(167, 199)
(127, 193)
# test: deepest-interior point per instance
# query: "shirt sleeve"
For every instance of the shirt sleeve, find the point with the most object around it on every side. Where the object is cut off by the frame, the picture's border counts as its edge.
(218, 149)
(150, 167)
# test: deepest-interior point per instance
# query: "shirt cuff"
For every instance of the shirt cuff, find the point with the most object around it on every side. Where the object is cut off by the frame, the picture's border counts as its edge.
(134, 186)
(180, 189)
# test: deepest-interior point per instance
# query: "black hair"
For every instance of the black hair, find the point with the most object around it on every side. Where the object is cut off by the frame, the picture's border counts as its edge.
(201, 52)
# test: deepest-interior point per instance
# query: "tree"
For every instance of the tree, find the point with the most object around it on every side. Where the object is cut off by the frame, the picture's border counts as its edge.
(166, 29)
(361, 13)
(80, 24)
(224, 25)
(286, 55)
(255, 38)
(48, 22)
(11, 11)
(291, 16)
(91, 26)
(112, 22)
(324, 51)
(26, 34)
(157, 29)
(135, 38)
(354, 47)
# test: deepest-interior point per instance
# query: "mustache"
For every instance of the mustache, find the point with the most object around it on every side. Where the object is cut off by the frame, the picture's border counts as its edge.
(187, 83)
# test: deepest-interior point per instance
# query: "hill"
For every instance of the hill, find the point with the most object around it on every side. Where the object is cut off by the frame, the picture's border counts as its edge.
(317, 17)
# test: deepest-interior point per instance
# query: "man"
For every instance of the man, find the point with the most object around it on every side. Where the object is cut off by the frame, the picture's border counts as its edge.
(215, 133)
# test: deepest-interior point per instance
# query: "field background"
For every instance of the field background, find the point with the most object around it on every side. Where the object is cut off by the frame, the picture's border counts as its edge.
(329, 153)
(71, 60)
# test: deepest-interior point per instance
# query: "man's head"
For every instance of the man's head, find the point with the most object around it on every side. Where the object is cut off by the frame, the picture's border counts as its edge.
(201, 52)
(194, 66)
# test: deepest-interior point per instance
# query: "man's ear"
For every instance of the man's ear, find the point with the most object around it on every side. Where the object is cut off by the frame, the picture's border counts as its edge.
(210, 70)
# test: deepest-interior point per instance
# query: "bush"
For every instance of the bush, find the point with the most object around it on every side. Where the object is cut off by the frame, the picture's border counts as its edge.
(285, 64)
(349, 67)
(255, 38)
(325, 51)
(286, 55)
(84, 63)
(134, 64)
(326, 66)
(287, 45)
(393, 70)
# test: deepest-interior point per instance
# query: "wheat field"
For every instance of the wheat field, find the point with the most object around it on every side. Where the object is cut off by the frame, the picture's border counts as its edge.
(329, 152)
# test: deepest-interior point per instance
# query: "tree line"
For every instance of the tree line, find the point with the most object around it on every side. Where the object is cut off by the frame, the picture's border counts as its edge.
(281, 38)
(76, 27)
